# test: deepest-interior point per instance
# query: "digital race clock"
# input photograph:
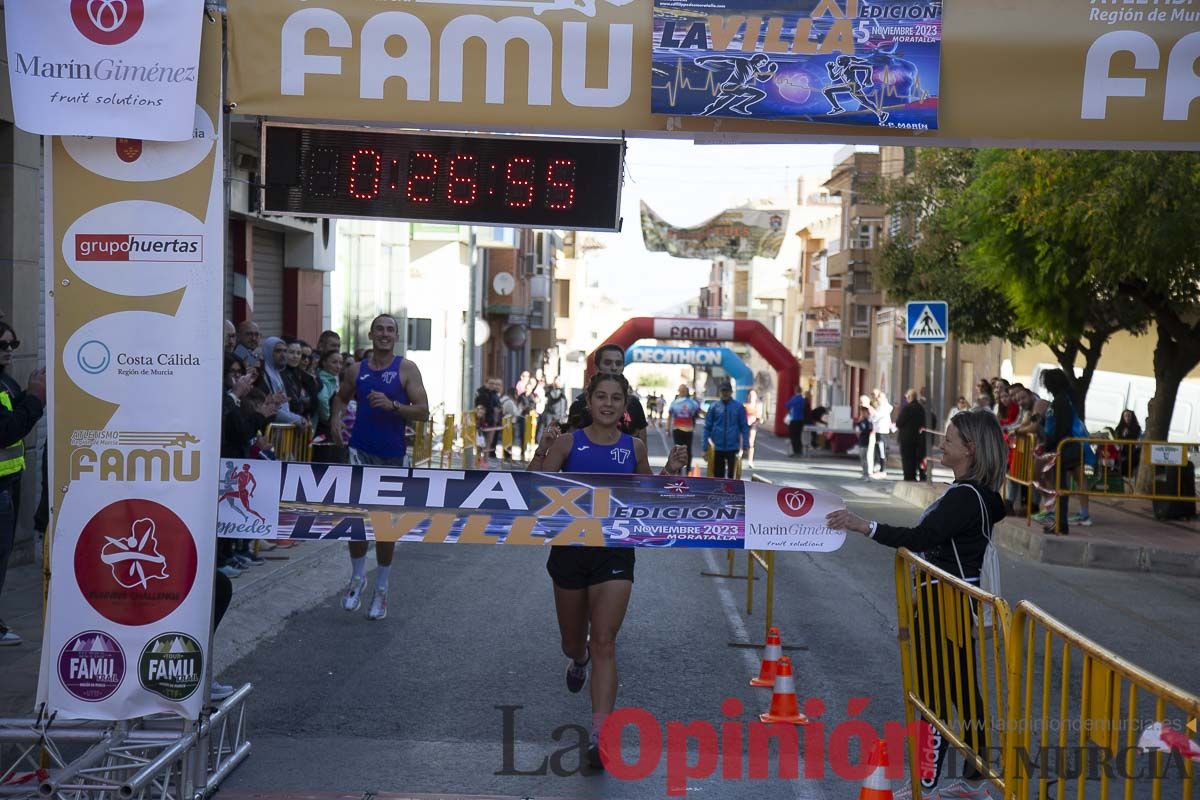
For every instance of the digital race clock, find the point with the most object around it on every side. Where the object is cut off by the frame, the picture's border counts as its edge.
(517, 181)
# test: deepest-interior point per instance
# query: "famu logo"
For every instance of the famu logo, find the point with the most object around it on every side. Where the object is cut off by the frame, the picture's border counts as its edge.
(171, 666)
(129, 456)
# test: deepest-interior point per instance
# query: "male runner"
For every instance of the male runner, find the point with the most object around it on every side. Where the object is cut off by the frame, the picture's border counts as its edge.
(738, 92)
(684, 411)
(390, 394)
(610, 360)
(243, 491)
(851, 75)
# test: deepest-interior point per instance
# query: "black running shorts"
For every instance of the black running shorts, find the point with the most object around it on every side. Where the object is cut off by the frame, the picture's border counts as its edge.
(578, 567)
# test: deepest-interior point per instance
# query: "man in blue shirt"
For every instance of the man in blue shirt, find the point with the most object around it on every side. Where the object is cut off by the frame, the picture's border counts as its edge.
(797, 411)
(725, 425)
(684, 411)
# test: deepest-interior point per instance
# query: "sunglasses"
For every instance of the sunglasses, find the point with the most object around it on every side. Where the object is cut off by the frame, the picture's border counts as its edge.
(10, 345)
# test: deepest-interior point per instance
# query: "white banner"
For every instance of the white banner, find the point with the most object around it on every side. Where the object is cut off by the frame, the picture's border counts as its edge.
(123, 68)
(134, 275)
(707, 330)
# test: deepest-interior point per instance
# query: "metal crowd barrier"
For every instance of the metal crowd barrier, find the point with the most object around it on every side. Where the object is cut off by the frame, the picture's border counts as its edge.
(1154, 454)
(952, 677)
(1022, 466)
(290, 442)
(1077, 714)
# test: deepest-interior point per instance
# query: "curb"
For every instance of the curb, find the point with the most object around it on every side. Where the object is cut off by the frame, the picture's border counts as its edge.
(1072, 551)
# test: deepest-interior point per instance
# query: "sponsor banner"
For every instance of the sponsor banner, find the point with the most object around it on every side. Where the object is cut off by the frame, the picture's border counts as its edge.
(105, 68)
(706, 330)
(1168, 455)
(133, 237)
(1098, 73)
(738, 233)
(872, 64)
(270, 499)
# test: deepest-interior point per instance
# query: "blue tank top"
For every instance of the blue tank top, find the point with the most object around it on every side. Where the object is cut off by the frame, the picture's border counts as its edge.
(378, 431)
(587, 456)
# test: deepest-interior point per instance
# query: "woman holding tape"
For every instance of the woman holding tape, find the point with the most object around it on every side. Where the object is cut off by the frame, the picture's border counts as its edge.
(592, 585)
(953, 534)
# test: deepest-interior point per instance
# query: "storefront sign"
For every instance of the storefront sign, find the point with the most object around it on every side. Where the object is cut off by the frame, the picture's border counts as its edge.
(827, 337)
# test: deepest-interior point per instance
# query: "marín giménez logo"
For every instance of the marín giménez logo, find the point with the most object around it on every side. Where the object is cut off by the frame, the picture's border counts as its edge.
(794, 502)
(108, 22)
(93, 357)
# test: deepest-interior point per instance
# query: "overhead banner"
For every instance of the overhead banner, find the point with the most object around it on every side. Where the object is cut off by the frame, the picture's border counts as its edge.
(270, 500)
(134, 234)
(874, 64)
(737, 233)
(1028, 73)
(105, 67)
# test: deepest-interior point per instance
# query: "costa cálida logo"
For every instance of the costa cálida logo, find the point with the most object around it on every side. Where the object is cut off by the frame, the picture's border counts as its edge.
(794, 502)
(171, 666)
(135, 562)
(108, 22)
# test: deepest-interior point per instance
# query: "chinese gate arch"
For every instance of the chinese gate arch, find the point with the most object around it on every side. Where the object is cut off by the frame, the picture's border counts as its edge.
(749, 331)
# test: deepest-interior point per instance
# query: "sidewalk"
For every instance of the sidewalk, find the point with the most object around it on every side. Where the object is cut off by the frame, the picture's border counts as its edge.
(1123, 536)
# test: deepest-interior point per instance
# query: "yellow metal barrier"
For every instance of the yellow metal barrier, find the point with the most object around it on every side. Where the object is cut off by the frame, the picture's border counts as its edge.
(1151, 451)
(710, 459)
(1076, 713)
(468, 441)
(446, 461)
(1022, 466)
(290, 442)
(530, 433)
(951, 677)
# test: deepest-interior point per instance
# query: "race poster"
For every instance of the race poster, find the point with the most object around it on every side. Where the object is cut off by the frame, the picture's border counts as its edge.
(104, 67)
(275, 500)
(737, 233)
(134, 247)
(850, 62)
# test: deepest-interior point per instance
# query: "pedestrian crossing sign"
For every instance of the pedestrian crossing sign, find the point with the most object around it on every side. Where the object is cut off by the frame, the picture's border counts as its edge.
(928, 321)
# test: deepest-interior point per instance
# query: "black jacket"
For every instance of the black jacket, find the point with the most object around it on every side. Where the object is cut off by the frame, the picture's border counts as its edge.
(955, 516)
(15, 425)
(910, 420)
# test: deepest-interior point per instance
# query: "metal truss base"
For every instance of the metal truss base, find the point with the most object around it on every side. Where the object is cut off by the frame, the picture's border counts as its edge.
(156, 758)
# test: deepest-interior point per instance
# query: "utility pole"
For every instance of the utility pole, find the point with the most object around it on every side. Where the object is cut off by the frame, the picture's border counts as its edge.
(472, 312)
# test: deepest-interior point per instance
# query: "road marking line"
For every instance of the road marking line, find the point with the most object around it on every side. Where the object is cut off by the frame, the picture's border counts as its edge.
(859, 491)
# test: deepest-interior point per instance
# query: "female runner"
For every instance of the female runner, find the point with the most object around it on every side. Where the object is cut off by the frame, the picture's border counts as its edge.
(592, 584)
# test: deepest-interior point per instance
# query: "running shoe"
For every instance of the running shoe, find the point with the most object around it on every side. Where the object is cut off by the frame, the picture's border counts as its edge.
(595, 759)
(252, 558)
(965, 790)
(1043, 516)
(8, 637)
(577, 674)
(229, 571)
(378, 605)
(1080, 519)
(352, 599)
(220, 691)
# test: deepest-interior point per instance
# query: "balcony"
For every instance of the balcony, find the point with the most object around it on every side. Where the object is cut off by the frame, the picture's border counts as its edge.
(856, 257)
(828, 299)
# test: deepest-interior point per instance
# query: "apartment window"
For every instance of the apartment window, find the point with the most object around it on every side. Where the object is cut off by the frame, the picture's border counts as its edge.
(862, 315)
(562, 298)
(420, 332)
(864, 236)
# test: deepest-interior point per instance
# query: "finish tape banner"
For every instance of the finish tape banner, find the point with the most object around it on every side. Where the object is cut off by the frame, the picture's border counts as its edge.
(276, 500)
(133, 248)
(872, 64)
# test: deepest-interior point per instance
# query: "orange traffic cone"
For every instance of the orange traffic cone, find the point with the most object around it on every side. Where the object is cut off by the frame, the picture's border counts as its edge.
(784, 707)
(695, 473)
(877, 786)
(770, 660)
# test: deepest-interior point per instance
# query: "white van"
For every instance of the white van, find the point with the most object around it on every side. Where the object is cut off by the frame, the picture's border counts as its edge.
(1111, 393)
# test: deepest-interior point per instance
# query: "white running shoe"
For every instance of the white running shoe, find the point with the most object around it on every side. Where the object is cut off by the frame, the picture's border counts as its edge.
(8, 637)
(352, 599)
(378, 605)
(220, 691)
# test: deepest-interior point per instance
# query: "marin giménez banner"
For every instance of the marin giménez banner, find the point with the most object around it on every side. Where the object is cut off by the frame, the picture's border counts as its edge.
(274, 500)
(127, 68)
(738, 233)
(871, 63)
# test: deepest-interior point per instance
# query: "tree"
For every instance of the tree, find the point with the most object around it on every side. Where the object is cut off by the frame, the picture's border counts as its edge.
(924, 257)
(1024, 219)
